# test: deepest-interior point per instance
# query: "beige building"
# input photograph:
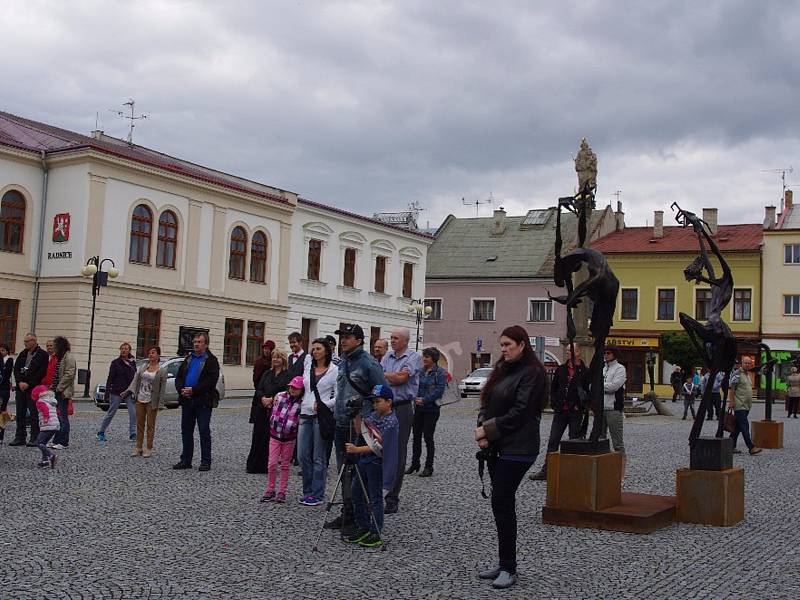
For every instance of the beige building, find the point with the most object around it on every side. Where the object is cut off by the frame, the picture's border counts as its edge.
(196, 249)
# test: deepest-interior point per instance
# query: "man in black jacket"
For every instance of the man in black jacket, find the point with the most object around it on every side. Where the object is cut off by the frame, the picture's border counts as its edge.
(569, 391)
(196, 383)
(298, 356)
(29, 370)
(676, 380)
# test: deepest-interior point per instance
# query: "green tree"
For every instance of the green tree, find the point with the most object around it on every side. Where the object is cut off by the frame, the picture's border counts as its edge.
(677, 349)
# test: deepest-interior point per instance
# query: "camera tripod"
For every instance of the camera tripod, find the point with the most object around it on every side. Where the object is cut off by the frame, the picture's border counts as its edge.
(348, 467)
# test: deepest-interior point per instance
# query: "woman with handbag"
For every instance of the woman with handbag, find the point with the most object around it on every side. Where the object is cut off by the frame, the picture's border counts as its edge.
(147, 392)
(273, 381)
(315, 439)
(432, 381)
(63, 384)
(508, 435)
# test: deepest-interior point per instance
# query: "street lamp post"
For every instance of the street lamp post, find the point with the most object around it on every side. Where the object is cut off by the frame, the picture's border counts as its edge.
(420, 312)
(94, 269)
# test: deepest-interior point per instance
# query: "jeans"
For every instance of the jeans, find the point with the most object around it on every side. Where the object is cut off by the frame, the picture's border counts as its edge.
(62, 436)
(279, 451)
(570, 421)
(113, 404)
(688, 404)
(41, 440)
(191, 414)
(145, 416)
(371, 472)
(313, 453)
(26, 414)
(743, 426)
(424, 426)
(405, 418)
(341, 437)
(506, 476)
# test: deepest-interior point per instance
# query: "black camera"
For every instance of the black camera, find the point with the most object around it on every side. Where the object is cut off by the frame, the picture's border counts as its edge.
(353, 406)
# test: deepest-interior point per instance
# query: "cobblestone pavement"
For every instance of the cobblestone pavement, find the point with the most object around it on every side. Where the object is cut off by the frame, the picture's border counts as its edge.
(105, 525)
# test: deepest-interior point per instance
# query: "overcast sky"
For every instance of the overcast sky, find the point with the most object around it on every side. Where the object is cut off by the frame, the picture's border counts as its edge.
(372, 105)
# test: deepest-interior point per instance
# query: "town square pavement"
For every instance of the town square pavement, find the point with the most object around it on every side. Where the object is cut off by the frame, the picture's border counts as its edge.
(105, 525)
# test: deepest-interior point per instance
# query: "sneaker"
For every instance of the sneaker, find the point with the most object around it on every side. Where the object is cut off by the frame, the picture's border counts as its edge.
(373, 540)
(50, 444)
(280, 497)
(58, 446)
(100, 436)
(268, 497)
(335, 524)
(755, 450)
(53, 460)
(355, 537)
(43, 463)
(306, 500)
(313, 501)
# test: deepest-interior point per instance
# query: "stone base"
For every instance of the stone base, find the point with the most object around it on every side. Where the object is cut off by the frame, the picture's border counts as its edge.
(584, 482)
(767, 434)
(636, 513)
(585, 447)
(712, 454)
(710, 497)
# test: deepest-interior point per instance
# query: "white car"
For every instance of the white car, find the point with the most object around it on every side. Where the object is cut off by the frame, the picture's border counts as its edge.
(474, 382)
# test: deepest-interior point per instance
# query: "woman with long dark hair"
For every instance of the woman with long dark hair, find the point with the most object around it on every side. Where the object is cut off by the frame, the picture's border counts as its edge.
(273, 381)
(63, 384)
(508, 434)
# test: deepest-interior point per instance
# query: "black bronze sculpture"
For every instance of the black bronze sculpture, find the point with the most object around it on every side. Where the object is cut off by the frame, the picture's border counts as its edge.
(601, 287)
(714, 340)
(767, 369)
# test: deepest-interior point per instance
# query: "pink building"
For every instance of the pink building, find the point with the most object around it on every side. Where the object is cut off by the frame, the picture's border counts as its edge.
(485, 274)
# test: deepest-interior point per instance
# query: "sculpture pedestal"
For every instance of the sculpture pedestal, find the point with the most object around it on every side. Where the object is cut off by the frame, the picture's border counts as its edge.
(767, 434)
(584, 490)
(710, 497)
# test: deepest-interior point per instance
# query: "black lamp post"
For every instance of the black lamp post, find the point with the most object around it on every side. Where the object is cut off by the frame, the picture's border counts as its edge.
(94, 269)
(651, 362)
(420, 312)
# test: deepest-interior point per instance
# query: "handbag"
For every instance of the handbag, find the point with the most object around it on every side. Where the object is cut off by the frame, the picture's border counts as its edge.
(70, 407)
(729, 424)
(325, 418)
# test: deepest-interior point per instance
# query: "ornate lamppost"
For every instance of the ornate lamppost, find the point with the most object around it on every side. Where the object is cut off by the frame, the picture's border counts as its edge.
(94, 269)
(420, 312)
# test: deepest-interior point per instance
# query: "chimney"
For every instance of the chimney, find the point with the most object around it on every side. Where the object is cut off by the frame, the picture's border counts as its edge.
(620, 217)
(769, 217)
(710, 217)
(97, 133)
(787, 200)
(499, 222)
(658, 224)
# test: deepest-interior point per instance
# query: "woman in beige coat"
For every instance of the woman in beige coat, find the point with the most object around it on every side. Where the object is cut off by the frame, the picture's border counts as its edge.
(794, 392)
(147, 390)
(64, 387)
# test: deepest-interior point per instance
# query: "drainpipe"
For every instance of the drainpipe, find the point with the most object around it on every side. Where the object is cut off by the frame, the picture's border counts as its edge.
(37, 281)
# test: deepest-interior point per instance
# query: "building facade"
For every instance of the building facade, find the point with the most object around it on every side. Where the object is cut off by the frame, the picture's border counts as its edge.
(485, 274)
(346, 268)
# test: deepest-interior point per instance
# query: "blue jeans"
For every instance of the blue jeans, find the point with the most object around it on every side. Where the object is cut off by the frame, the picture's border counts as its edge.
(372, 473)
(114, 402)
(191, 414)
(41, 441)
(743, 427)
(62, 437)
(313, 453)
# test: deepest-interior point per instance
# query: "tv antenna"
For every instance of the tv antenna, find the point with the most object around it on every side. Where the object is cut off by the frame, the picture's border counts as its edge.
(415, 209)
(783, 173)
(478, 202)
(132, 117)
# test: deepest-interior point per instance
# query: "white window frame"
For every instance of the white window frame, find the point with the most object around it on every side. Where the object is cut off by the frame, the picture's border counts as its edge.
(638, 302)
(795, 252)
(674, 301)
(472, 309)
(791, 314)
(441, 309)
(530, 318)
(733, 303)
(694, 302)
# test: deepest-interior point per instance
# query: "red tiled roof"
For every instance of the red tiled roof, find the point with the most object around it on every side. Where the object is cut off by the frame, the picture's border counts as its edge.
(741, 238)
(30, 135)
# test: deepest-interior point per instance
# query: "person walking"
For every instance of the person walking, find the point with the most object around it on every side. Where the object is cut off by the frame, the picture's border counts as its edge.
(120, 376)
(740, 400)
(284, 422)
(401, 367)
(273, 381)
(432, 381)
(47, 416)
(6, 375)
(146, 393)
(793, 394)
(30, 369)
(676, 381)
(688, 398)
(196, 383)
(63, 385)
(314, 451)
(263, 362)
(614, 376)
(569, 391)
(508, 436)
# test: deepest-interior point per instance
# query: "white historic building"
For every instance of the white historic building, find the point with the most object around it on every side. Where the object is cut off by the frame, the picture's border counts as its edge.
(346, 268)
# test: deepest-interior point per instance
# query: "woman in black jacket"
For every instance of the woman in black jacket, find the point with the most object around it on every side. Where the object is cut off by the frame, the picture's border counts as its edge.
(273, 380)
(508, 431)
(6, 372)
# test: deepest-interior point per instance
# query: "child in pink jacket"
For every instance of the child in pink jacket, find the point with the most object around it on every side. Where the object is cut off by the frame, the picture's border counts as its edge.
(47, 407)
(284, 423)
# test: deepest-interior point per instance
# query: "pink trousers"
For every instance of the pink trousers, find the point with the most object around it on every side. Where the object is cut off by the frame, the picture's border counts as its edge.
(283, 451)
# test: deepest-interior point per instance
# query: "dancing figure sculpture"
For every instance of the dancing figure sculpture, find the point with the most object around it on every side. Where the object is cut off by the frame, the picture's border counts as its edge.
(714, 340)
(767, 370)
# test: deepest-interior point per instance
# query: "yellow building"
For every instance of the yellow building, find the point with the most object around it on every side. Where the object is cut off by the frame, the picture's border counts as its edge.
(649, 263)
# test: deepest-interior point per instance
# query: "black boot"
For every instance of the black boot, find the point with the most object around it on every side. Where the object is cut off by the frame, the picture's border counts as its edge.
(412, 469)
(426, 472)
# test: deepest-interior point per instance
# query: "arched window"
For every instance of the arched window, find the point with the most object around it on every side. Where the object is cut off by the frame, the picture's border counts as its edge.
(258, 257)
(238, 253)
(167, 239)
(141, 234)
(12, 221)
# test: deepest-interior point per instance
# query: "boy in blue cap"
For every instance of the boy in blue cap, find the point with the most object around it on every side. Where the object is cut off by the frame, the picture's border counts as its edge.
(376, 465)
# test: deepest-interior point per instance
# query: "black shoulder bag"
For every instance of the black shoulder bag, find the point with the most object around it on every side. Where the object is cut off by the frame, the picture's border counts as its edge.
(325, 418)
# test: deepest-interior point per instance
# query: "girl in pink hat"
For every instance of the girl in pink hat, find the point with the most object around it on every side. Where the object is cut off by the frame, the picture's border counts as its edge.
(284, 422)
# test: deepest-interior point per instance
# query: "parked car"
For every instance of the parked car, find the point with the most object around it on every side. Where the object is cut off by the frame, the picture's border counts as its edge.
(474, 382)
(172, 365)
